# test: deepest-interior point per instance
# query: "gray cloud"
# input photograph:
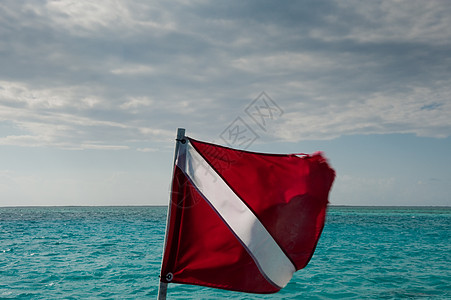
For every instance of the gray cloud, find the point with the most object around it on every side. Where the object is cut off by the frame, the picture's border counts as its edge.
(81, 74)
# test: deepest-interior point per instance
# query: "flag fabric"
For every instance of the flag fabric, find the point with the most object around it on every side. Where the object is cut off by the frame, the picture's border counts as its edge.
(241, 220)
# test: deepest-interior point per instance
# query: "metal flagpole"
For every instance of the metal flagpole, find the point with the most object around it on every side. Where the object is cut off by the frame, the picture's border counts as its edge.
(163, 287)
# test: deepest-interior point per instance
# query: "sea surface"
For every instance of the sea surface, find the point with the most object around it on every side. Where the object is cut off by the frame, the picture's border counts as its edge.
(115, 253)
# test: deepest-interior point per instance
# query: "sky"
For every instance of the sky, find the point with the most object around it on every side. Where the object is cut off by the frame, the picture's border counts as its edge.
(92, 94)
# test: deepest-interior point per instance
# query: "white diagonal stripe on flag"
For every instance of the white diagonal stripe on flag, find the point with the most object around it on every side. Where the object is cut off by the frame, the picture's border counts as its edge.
(270, 259)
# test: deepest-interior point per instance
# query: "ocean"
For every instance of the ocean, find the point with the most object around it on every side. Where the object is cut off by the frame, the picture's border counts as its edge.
(115, 253)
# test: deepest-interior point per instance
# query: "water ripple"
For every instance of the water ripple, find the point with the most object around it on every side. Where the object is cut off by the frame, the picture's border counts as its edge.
(115, 253)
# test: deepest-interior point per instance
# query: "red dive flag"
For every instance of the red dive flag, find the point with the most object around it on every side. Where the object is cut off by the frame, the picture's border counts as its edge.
(241, 220)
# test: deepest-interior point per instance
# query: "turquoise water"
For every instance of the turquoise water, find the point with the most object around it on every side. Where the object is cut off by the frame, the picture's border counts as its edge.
(115, 253)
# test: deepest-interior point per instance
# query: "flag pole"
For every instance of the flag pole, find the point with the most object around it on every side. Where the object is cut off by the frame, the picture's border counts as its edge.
(163, 287)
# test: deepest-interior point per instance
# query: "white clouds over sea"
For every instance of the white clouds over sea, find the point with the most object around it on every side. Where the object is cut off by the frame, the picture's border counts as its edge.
(117, 72)
(123, 75)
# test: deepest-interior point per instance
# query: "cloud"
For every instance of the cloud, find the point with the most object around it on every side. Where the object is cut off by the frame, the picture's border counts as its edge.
(376, 113)
(398, 21)
(146, 149)
(64, 118)
(124, 75)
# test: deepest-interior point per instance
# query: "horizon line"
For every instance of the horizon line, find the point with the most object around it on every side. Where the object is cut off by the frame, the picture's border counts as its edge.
(166, 205)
